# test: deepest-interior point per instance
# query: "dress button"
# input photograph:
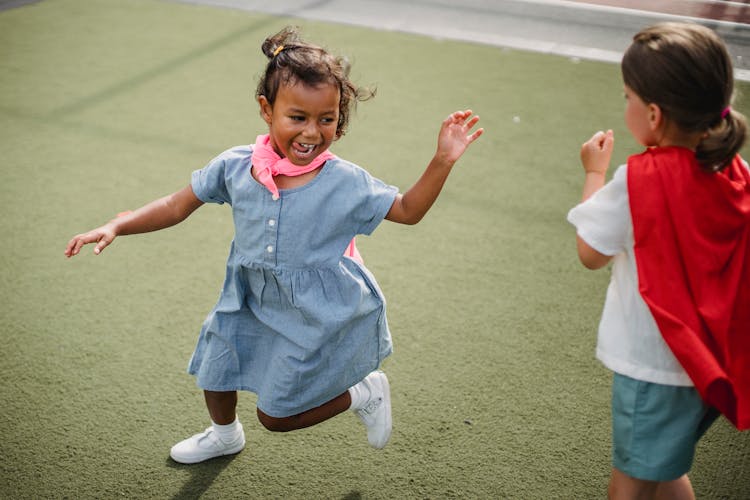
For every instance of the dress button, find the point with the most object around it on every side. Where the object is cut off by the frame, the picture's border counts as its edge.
(269, 249)
(271, 222)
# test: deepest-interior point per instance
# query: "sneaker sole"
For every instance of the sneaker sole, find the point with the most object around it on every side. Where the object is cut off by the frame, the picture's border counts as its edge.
(199, 459)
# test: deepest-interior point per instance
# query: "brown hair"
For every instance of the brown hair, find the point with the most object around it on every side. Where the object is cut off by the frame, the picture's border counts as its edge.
(291, 60)
(685, 69)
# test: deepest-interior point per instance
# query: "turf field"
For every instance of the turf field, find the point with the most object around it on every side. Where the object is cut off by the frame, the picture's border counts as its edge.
(105, 105)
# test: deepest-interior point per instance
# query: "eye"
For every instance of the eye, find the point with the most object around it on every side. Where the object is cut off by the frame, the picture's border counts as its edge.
(327, 120)
(297, 118)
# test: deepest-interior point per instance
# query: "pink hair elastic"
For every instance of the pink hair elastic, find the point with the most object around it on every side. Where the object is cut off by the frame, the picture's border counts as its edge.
(726, 111)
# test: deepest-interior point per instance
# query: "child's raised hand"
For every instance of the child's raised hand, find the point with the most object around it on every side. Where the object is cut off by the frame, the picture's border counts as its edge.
(597, 152)
(102, 236)
(455, 135)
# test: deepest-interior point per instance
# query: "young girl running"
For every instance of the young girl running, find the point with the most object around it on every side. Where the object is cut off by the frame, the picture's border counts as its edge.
(675, 221)
(298, 322)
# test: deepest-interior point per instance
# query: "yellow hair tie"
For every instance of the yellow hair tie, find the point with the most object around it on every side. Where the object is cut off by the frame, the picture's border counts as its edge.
(278, 50)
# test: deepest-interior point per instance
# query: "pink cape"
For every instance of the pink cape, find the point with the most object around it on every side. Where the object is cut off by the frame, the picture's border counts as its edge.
(692, 250)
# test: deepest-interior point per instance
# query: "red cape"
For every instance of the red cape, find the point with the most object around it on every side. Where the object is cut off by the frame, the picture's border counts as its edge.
(692, 250)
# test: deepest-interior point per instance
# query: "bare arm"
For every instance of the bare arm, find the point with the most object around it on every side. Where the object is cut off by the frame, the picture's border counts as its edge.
(595, 156)
(158, 214)
(453, 139)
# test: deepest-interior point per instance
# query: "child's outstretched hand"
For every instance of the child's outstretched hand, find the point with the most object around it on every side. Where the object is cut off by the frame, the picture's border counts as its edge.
(102, 236)
(455, 136)
(597, 152)
(159, 214)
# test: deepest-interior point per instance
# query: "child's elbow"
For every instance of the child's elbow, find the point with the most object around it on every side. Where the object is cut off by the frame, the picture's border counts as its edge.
(590, 258)
(412, 220)
(402, 215)
(592, 263)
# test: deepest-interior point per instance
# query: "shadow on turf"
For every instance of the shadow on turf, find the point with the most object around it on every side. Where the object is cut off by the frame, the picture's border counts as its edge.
(105, 94)
(12, 4)
(202, 475)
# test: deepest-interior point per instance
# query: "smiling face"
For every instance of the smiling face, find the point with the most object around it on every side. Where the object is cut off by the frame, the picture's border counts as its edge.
(302, 121)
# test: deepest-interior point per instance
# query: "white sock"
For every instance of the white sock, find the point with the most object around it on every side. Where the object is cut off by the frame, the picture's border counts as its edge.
(360, 394)
(227, 433)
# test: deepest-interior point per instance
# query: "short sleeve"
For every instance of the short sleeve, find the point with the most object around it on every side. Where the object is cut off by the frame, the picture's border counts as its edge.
(603, 221)
(209, 183)
(376, 203)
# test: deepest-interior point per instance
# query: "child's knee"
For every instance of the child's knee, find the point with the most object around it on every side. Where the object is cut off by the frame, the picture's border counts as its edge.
(623, 486)
(273, 424)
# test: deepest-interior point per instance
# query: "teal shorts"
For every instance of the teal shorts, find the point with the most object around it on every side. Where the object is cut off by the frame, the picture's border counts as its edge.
(655, 428)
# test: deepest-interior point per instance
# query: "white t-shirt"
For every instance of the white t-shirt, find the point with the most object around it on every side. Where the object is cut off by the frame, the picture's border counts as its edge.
(629, 341)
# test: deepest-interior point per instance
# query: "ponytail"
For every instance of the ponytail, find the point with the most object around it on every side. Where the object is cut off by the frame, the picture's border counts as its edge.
(722, 142)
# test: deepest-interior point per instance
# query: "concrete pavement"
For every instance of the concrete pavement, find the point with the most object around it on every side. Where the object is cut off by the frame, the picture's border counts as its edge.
(588, 29)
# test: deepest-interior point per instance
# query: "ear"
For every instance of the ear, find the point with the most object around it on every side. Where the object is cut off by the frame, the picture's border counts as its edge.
(655, 116)
(266, 110)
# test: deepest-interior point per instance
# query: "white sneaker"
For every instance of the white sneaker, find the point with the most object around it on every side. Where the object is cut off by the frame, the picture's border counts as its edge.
(376, 414)
(206, 445)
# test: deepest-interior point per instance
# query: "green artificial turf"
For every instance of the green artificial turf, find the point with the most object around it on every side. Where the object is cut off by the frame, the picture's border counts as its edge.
(105, 105)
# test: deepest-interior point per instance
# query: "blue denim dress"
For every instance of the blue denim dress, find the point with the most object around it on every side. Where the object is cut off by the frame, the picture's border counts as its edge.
(296, 322)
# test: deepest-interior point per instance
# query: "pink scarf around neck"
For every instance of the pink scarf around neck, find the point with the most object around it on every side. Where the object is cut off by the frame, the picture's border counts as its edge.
(267, 164)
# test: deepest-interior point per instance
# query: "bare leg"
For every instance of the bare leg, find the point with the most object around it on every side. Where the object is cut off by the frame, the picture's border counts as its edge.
(624, 487)
(222, 406)
(337, 405)
(679, 489)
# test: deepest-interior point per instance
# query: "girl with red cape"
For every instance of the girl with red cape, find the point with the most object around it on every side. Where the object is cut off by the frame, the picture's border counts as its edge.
(675, 222)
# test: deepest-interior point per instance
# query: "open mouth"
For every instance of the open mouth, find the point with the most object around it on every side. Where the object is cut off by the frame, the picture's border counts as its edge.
(303, 150)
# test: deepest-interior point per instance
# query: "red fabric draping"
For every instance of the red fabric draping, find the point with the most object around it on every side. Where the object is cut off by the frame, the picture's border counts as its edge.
(692, 249)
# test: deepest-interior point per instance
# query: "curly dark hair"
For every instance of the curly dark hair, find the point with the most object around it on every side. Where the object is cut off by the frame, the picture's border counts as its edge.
(291, 60)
